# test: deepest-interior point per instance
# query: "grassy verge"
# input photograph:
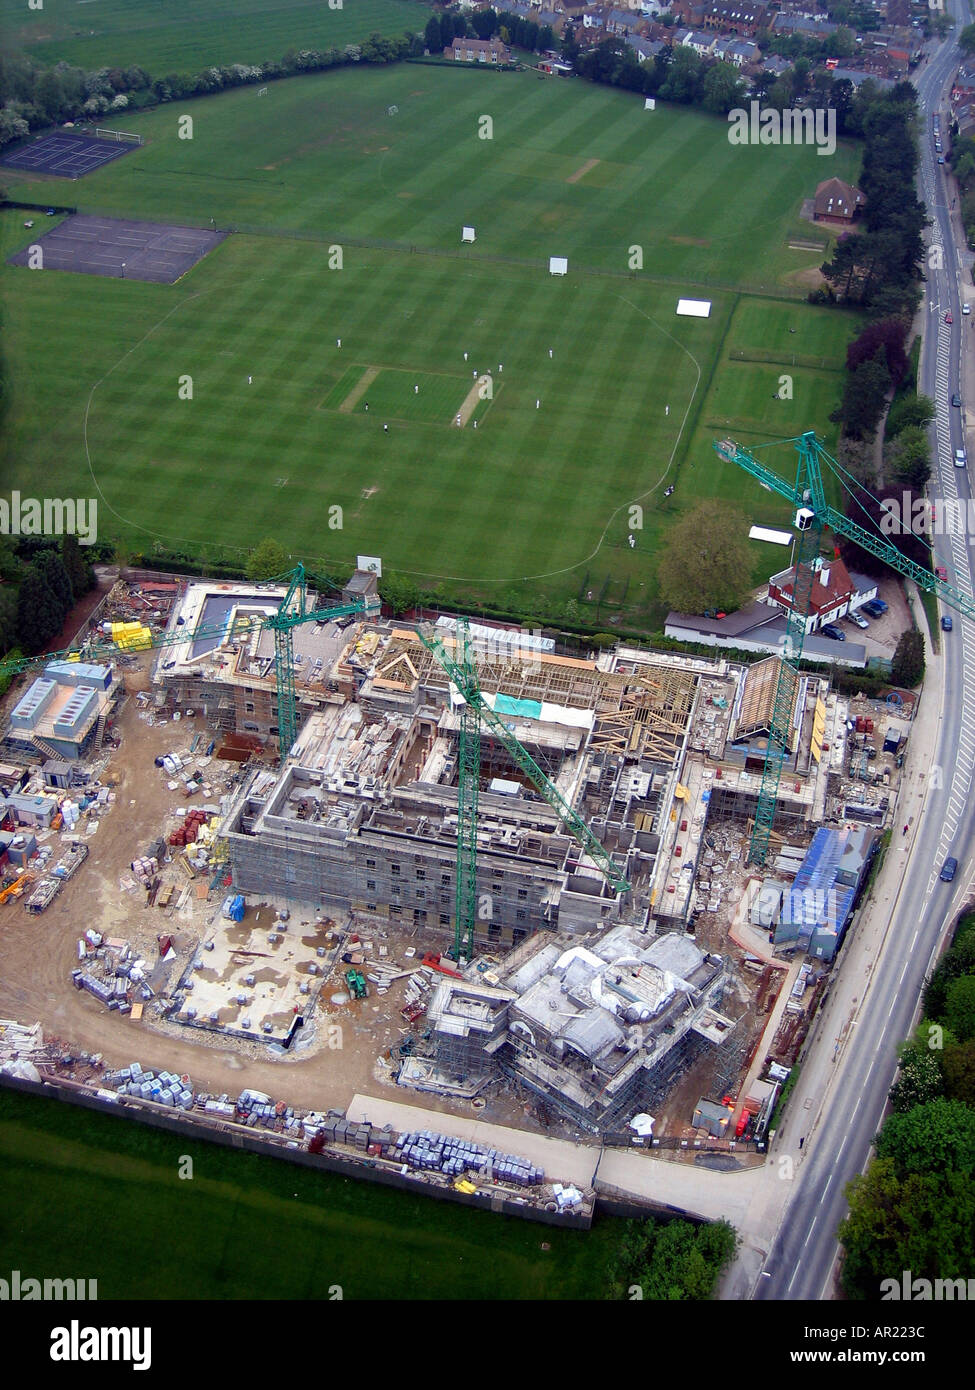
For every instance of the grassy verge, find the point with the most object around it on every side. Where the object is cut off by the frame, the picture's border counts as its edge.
(246, 1226)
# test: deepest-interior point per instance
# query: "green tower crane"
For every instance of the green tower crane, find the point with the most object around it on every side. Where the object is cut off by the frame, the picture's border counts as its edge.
(475, 712)
(813, 516)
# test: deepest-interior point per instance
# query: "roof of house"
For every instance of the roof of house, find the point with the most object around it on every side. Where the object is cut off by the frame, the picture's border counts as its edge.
(831, 584)
(857, 77)
(799, 24)
(834, 198)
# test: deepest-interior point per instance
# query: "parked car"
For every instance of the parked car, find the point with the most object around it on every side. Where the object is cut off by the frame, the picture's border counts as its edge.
(941, 159)
(956, 400)
(948, 869)
(948, 318)
(966, 308)
(960, 458)
(875, 607)
(941, 572)
(857, 620)
(946, 622)
(831, 630)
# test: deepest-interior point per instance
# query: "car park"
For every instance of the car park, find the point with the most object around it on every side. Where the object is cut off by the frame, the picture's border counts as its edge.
(948, 869)
(946, 622)
(831, 630)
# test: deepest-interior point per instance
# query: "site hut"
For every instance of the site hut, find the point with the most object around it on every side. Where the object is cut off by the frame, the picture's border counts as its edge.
(63, 714)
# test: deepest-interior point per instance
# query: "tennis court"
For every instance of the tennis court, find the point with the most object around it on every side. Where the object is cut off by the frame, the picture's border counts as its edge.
(66, 155)
(127, 250)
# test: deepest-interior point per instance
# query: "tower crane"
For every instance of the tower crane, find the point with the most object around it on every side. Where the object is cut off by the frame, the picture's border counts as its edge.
(475, 712)
(813, 515)
(292, 611)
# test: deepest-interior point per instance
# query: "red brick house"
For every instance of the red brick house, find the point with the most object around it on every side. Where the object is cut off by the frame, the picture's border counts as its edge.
(478, 51)
(837, 203)
(832, 590)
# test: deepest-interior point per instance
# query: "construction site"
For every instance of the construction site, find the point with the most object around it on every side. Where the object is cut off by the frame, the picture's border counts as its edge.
(512, 880)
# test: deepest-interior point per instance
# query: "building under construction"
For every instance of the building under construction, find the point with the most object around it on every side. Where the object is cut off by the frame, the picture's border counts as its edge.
(599, 1028)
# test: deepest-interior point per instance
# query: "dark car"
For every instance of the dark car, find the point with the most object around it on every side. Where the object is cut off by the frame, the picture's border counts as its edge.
(948, 869)
(956, 400)
(946, 622)
(875, 607)
(831, 630)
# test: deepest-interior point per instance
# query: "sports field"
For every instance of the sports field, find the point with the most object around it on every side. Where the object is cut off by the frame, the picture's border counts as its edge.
(186, 35)
(599, 396)
(245, 1226)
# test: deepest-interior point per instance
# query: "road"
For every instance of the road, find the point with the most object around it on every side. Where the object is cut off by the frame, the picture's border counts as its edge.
(876, 994)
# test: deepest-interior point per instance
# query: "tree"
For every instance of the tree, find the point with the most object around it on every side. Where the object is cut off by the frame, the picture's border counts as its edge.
(907, 667)
(12, 127)
(399, 592)
(909, 457)
(51, 566)
(919, 1081)
(39, 616)
(484, 23)
(267, 560)
(958, 1066)
(705, 562)
(683, 81)
(723, 89)
(909, 410)
(957, 961)
(937, 1137)
(960, 1008)
(432, 35)
(883, 335)
(671, 1262)
(966, 39)
(79, 571)
(864, 395)
(924, 1223)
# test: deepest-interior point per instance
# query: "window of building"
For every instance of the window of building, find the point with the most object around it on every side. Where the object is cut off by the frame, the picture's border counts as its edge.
(371, 883)
(445, 919)
(249, 707)
(421, 894)
(419, 915)
(370, 863)
(251, 727)
(522, 893)
(394, 868)
(396, 890)
(521, 914)
(445, 879)
(494, 931)
(421, 873)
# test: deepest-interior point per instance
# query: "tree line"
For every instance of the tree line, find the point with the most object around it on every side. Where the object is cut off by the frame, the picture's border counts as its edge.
(32, 97)
(40, 582)
(914, 1208)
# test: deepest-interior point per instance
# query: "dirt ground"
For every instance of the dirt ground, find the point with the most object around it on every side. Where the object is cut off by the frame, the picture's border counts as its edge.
(37, 955)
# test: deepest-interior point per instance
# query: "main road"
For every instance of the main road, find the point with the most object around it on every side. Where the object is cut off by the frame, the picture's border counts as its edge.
(877, 994)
